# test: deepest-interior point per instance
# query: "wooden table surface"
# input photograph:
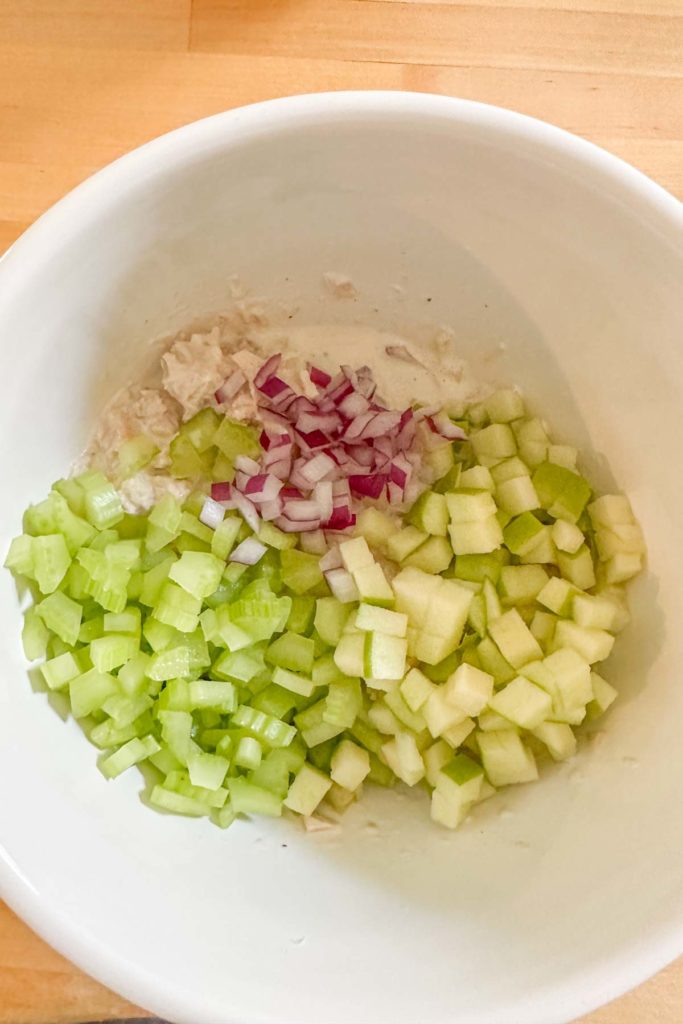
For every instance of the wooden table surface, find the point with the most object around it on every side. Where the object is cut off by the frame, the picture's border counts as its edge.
(82, 81)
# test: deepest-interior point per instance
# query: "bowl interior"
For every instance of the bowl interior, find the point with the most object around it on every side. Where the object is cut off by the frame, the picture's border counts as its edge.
(558, 270)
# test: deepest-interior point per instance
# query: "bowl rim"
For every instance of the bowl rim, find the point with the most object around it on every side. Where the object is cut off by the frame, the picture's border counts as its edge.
(109, 187)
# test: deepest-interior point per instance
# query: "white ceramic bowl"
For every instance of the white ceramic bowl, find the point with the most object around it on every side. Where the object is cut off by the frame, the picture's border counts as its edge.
(555, 897)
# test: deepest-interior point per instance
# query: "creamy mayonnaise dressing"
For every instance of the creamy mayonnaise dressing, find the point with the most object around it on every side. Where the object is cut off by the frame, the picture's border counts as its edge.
(191, 367)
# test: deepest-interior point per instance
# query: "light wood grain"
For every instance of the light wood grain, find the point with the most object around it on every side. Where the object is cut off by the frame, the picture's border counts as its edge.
(83, 81)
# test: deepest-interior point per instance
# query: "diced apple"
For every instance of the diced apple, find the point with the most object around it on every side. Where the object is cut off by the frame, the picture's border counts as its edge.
(506, 760)
(384, 656)
(373, 586)
(478, 537)
(517, 496)
(349, 654)
(594, 612)
(523, 703)
(435, 757)
(494, 443)
(567, 536)
(514, 639)
(557, 595)
(404, 759)
(307, 790)
(523, 533)
(469, 506)
(478, 478)
(558, 738)
(404, 542)
(430, 514)
(356, 554)
(371, 618)
(416, 689)
(521, 584)
(604, 696)
(434, 556)
(440, 714)
(504, 405)
(376, 526)
(470, 689)
(592, 644)
(350, 765)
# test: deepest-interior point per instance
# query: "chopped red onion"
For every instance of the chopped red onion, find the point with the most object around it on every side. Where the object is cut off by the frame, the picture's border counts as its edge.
(249, 552)
(221, 491)
(274, 388)
(270, 509)
(319, 377)
(230, 387)
(444, 425)
(269, 367)
(370, 486)
(353, 405)
(291, 526)
(247, 465)
(264, 487)
(319, 466)
(246, 510)
(341, 518)
(212, 514)
(302, 510)
(322, 495)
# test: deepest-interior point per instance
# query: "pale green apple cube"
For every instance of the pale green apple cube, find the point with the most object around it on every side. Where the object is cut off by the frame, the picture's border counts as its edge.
(558, 737)
(492, 603)
(523, 533)
(491, 721)
(514, 639)
(404, 759)
(563, 455)
(506, 760)
(543, 551)
(492, 661)
(401, 544)
(293, 681)
(430, 513)
(376, 526)
(470, 506)
(570, 674)
(604, 696)
(557, 595)
(385, 656)
(623, 567)
(523, 703)
(309, 787)
(478, 478)
(610, 510)
(434, 556)
(458, 733)
(469, 688)
(370, 618)
(461, 775)
(504, 405)
(356, 554)
(476, 538)
(373, 586)
(435, 757)
(383, 719)
(416, 689)
(414, 720)
(517, 496)
(445, 621)
(495, 443)
(349, 654)
(567, 536)
(509, 469)
(543, 627)
(521, 584)
(592, 644)
(449, 809)
(350, 765)
(620, 539)
(440, 714)
(594, 612)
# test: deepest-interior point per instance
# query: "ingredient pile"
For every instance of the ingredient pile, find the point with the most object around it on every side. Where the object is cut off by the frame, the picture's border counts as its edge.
(349, 595)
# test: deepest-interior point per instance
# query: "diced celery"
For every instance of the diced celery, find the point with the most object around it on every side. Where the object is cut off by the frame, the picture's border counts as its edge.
(300, 570)
(233, 438)
(135, 454)
(198, 573)
(213, 693)
(132, 752)
(61, 615)
(34, 635)
(89, 691)
(177, 608)
(246, 798)
(274, 538)
(103, 507)
(59, 671)
(343, 703)
(224, 536)
(240, 666)
(301, 616)
(248, 754)
(110, 652)
(207, 770)
(290, 651)
(175, 803)
(51, 559)
(271, 730)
